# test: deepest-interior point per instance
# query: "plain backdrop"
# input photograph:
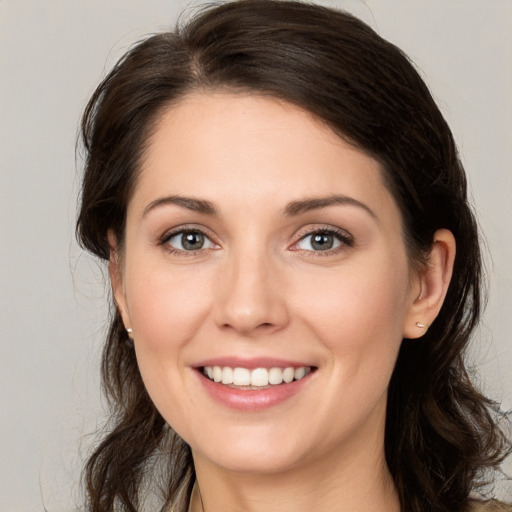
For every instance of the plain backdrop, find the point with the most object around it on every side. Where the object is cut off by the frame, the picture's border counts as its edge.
(53, 296)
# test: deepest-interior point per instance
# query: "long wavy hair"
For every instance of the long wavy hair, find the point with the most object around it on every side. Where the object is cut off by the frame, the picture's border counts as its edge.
(442, 437)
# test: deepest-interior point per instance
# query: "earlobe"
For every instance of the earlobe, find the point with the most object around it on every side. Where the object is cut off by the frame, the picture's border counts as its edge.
(116, 278)
(432, 285)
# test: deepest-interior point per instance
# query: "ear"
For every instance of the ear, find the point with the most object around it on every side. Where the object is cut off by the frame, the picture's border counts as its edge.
(430, 285)
(116, 278)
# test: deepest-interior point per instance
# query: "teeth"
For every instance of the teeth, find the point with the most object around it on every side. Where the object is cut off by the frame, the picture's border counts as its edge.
(288, 375)
(227, 376)
(258, 377)
(299, 373)
(275, 376)
(217, 373)
(241, 376)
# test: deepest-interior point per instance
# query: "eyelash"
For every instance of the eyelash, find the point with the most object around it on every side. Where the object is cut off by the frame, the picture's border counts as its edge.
(164, 241)
(343, 237)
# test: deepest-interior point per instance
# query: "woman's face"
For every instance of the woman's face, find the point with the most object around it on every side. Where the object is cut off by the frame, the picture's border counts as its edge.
(259, 245)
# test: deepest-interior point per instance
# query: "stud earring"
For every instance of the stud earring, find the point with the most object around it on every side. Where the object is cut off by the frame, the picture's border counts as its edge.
(420, 325)
(129, 330)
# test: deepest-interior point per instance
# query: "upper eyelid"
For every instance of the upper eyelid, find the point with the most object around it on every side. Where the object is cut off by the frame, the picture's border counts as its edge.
(170, 233)
(323, 229)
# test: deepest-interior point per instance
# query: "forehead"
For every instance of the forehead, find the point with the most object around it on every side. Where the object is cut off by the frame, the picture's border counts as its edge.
(250, 149)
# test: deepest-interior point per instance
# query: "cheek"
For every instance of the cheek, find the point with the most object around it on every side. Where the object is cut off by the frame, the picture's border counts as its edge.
(165, 306)
(166, 309)
(366, 301)
(358, 315)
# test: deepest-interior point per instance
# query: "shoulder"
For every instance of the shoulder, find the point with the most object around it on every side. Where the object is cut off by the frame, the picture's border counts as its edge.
(489, 506)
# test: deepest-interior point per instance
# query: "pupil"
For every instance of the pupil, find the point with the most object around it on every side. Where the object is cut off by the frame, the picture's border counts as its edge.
(192, 240)
(322, 241)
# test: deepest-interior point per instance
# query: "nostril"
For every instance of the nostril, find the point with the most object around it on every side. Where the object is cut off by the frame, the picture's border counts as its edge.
(266, 326)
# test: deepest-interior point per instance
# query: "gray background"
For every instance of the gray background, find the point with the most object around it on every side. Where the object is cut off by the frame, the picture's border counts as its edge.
(52, 296)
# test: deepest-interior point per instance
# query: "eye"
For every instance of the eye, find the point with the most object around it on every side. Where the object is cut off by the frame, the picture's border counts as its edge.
(323, 240)
(188, 240)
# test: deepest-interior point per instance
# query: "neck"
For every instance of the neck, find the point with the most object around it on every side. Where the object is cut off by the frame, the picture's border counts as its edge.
(348, 479)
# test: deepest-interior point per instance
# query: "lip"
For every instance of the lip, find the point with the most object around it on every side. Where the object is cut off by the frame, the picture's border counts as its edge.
(251, 363)
(251, 399)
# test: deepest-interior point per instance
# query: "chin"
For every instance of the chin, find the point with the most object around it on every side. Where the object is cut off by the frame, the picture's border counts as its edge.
(252, 454)
(251, 462)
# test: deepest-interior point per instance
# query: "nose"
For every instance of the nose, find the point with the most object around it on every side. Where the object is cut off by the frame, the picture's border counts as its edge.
(250, 296)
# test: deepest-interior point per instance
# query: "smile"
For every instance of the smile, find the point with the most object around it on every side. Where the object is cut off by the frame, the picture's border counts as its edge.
(245, 378)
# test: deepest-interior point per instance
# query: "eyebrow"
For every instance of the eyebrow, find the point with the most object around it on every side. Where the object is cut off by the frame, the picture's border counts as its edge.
(316, 203)
(191, 203)
(292, 209)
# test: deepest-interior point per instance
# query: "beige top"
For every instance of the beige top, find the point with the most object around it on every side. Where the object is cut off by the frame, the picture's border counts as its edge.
(490, 506)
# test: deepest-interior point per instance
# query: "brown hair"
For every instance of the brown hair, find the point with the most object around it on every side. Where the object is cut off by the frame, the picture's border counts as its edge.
(441, 433)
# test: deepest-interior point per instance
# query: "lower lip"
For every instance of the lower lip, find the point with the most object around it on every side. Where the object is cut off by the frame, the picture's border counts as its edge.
(249, 399)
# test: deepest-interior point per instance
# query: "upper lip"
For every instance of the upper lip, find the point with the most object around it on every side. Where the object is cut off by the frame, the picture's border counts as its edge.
(251, 363)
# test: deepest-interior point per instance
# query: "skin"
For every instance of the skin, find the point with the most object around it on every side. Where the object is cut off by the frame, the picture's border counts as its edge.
(258, 288)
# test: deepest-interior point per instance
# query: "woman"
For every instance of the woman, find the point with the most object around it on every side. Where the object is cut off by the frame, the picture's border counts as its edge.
(295, 269)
